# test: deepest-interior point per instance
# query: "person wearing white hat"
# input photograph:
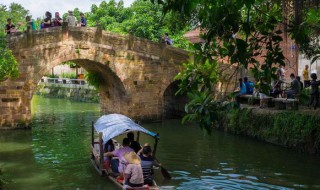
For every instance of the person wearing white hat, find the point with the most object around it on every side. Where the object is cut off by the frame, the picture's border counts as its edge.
(133, 174)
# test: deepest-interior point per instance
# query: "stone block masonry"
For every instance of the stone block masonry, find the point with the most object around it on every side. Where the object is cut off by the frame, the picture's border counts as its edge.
(133, 70)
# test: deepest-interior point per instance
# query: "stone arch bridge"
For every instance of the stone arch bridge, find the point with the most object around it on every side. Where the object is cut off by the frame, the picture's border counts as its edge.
(136, 71)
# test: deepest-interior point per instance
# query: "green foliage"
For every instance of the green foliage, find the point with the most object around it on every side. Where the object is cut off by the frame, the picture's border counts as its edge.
(202, 109)
(16, 12)
(292, 129)
(197, 80)
(68, 75)
(8, 65)
(94, 79)
(81, 94)
(237, 31)
(143, 19)
(52, 76)
(306, 33)
(71, 64)
(3, 180)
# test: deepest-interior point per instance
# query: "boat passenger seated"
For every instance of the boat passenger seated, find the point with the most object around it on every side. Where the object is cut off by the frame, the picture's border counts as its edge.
(133, 144)
(147, 163)
(108, 147)
(119, 166)
(133, 173)
(276, 89)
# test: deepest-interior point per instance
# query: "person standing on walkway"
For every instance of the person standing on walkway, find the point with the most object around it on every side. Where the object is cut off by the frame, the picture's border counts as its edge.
(314, 95)
(83, 20)
(305, 74)
(72, 20)
(295, 89)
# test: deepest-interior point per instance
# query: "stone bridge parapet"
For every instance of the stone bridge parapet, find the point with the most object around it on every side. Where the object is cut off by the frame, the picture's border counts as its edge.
(135, 71)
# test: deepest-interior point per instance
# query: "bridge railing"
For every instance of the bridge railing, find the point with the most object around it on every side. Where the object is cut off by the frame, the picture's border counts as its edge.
(67, 82)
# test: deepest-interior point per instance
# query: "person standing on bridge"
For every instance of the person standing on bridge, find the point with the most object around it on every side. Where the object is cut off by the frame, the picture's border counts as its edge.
(166, 39)
(10, 27)
(72, 20)
(83, 20)
(30, 23)
(47, 21)
(57, 21)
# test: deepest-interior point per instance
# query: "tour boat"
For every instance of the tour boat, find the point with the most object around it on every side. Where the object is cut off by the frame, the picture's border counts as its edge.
(108, 127)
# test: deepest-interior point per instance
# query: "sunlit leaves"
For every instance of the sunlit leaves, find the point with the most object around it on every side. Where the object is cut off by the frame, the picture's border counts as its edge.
(236, 31)
(142, 18)
(8, 65)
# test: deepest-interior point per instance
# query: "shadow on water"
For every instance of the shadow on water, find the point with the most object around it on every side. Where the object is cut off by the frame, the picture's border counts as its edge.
(224, 161)
(55, 155)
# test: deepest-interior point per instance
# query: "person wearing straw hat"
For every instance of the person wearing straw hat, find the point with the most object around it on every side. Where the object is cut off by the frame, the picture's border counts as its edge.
(133, 172)
(118, 167)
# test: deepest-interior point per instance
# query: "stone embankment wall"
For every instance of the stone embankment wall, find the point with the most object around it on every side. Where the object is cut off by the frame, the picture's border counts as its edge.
(295, 130)
(78, 93)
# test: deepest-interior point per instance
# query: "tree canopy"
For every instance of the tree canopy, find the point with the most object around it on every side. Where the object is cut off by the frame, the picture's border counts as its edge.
(142, 18)
(8, 63)
(240, 31)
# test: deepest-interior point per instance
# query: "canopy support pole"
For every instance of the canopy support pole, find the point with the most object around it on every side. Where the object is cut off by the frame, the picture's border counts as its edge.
(155, 146)
(101, 151)
(138, 136)
(92, 134)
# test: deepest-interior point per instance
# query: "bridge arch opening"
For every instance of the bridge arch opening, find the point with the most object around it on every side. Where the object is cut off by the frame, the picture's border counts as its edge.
(135, 71)
(112, 92)
(173, 105)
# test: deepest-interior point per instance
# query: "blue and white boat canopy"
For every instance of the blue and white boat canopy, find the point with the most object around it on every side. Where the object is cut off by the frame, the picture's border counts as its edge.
(113, 125)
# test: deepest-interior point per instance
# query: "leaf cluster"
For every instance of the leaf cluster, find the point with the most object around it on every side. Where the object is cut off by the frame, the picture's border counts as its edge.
(94, 79)
(142, 18)
(244, 33)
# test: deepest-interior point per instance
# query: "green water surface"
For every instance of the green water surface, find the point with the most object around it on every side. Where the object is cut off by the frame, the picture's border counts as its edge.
(55, 154)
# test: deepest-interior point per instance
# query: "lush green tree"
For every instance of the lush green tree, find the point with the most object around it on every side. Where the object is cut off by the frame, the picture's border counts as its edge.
(8, 63)
(142, 18)
(238, 31)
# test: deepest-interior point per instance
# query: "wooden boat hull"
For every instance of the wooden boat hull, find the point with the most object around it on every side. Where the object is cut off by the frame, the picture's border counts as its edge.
(103, 172)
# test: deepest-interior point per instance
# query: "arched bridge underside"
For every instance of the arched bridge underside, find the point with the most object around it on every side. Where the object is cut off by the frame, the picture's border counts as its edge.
(136, 71)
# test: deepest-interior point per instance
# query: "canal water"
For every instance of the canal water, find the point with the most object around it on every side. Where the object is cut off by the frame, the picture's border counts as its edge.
(55, 155)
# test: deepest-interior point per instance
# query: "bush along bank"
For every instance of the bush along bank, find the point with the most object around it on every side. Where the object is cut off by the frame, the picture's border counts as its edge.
(79, 93)
(299, 131)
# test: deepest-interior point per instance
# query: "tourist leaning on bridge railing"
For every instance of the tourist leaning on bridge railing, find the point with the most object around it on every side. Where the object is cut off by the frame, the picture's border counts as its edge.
(72, 20)
(47, 21)
(10, 27)
(83, 20)
(30, 23)
(57, 21)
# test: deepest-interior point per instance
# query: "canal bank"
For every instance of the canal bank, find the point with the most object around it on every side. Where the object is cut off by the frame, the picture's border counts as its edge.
(73, 92)
(298, 130)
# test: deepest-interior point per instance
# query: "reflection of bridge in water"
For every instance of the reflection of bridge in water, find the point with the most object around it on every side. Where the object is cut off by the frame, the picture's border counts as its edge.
(136, 72)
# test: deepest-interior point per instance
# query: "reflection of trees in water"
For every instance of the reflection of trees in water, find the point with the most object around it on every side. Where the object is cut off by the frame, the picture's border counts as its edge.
(61, 138)
(61, 142)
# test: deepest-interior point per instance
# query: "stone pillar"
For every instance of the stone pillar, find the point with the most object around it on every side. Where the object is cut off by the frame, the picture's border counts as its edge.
(65, 31)
(131, 39)
(98, 35)
(29, 37)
